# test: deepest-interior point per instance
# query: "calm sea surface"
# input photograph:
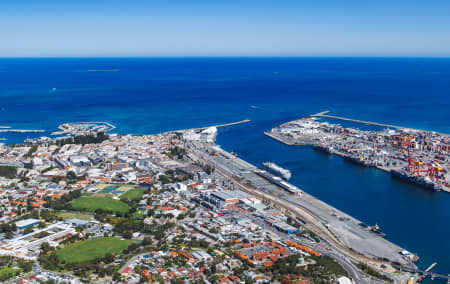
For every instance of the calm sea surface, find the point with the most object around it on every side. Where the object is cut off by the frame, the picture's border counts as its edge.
(145, 96)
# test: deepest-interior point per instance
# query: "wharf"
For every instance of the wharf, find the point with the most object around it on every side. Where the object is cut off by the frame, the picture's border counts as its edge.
(287, 141)
(336, 227)
(279, 139)
(360, 147)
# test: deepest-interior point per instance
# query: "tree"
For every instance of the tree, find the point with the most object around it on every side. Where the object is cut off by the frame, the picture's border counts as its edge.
(71, 175)
(8, 171)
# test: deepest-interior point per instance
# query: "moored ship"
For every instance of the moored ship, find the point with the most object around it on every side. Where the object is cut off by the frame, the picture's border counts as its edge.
(277, 170)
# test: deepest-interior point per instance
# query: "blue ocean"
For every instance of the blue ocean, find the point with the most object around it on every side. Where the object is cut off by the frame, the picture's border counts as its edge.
(149, 95)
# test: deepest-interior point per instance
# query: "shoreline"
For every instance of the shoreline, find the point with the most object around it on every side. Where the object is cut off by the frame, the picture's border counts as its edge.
(342, 231)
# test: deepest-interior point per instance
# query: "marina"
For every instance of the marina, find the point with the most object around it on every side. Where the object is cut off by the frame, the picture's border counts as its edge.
(80, 128)
(417, 156)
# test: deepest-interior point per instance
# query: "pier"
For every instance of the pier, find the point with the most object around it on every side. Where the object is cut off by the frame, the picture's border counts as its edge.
(232, 123)
(217, 126)
(431, 267)
(425, 272)
(313, 115)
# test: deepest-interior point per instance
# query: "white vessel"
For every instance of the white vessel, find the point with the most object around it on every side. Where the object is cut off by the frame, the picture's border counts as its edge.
(277, 170)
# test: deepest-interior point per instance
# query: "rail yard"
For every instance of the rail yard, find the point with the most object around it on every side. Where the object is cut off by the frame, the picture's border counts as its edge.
(417, 156)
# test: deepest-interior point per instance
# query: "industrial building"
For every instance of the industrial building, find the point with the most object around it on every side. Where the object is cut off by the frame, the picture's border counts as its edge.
(27, 223)
(225, 197)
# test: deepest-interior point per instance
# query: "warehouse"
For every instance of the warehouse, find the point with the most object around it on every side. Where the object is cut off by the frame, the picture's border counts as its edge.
(27, 223)
(225, 197)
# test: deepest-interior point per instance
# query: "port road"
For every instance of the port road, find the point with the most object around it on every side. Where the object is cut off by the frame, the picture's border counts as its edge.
(240, 172)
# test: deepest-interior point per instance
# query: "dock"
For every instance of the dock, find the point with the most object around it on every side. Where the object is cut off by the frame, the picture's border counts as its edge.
(278, 139)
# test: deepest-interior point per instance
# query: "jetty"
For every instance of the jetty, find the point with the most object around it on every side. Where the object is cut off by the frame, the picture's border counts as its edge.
(325, 115)
(426, 272)
(21, 130)
(217, 126)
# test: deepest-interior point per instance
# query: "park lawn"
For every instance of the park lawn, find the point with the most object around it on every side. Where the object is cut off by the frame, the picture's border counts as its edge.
(74, 215)
(92, 203)
(133, 194)
(139, 213)
(92, 249)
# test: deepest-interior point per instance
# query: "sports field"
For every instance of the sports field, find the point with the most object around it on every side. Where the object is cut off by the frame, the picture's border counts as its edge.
(92, 203)
(92, 249)
(133, 194)
(103, 186)
(74, 215)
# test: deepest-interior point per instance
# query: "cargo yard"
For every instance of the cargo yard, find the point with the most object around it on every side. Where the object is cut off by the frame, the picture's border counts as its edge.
(417, 156)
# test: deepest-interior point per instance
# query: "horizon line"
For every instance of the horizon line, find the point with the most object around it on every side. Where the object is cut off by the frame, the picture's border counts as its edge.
(229, 57)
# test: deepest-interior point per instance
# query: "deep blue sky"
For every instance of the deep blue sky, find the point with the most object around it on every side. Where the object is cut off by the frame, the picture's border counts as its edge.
(224, 28)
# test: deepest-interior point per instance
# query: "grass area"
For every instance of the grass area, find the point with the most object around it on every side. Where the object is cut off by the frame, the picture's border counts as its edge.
(92, 203)
(139, 213)
(133, 194)
(8, 272)
(92, 249)
(74, 215)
